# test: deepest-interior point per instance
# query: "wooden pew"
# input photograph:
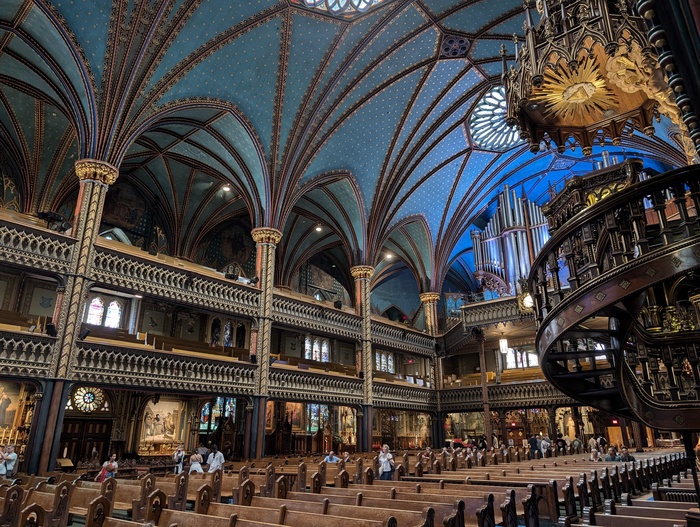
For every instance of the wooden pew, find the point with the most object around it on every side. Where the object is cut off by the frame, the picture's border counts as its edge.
(195, 481)
(442, 510)
(54, 505)
(426, 518)
(293, 516)
(11, 504)
(242, 516)
(612, 519)
(83, 493)
(175, 489)
(673, 494)
(98, 515)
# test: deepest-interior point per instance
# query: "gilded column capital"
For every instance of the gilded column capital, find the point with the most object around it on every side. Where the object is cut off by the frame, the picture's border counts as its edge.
(429, 298)
(362, 271)
(266, 235)
(96, 170)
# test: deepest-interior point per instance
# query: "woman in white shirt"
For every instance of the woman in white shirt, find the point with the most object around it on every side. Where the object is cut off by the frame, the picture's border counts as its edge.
(386, 464)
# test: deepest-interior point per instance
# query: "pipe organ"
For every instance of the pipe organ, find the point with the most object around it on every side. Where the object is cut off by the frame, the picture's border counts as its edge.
(506, 248)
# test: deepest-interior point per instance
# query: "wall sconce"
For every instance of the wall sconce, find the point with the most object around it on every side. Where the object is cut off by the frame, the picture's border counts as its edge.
(503, 344)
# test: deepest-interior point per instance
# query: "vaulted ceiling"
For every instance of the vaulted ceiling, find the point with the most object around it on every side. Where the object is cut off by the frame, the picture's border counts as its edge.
(357, 121)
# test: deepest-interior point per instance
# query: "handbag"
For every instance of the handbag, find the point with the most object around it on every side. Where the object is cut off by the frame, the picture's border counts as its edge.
(101, 476)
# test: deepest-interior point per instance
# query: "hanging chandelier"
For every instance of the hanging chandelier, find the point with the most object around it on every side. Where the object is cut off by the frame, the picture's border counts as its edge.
(586, 73)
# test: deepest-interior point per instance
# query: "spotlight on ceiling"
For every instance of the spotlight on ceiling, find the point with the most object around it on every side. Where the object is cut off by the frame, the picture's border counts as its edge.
(318, 227)
(389, 256)
(226, 188)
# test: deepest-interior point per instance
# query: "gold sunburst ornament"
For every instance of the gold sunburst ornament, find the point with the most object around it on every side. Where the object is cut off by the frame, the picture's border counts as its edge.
(573, 95)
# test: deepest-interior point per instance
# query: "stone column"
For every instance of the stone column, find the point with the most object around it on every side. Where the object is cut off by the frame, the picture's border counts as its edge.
(488, 429)
(266, 239)
(637, 435)
(363, 275)
(430, 301)
(95, 178)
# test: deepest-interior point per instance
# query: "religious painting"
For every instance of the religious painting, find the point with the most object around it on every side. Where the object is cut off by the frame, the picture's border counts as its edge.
(153, 321)
(294, 415)
(269, 414)
(9, 399)
(43, 301)
(123, 207)
(292, 345)
(162, 423)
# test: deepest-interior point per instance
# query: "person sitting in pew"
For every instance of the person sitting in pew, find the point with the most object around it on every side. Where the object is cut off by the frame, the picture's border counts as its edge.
(611, 455)
(346, 457)
(625, 455)
(595, 456)
(331, 457)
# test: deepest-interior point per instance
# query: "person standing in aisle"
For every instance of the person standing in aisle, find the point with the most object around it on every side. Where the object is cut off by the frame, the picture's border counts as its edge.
(216, 459)
(386, 464)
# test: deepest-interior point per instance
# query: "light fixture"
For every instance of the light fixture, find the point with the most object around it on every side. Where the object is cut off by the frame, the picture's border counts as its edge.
(226, 188)
(318, 227)
(389, 256)
(503, 344)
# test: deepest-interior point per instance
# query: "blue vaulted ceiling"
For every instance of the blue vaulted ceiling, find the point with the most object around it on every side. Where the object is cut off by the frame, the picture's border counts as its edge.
(357, 124)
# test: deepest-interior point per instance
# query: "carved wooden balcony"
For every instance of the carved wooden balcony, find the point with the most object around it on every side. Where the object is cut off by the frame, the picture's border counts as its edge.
(608, 286)
(28, 243)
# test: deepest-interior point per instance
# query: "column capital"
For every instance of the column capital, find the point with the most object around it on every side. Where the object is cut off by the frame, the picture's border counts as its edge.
(92, 169)
(362, 271)
(429, 298)
(266, 235)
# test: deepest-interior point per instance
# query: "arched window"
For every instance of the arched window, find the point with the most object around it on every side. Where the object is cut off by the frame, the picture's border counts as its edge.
(511, 359)
(532, 359)
(377, 361)
(325, 351)
(317, 350)
(95, 311)
(383, 361)
(308, 348)
(114, 314)
(390, 363)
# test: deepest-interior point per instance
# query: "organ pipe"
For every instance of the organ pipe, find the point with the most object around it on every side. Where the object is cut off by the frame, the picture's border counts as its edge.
(510, 241)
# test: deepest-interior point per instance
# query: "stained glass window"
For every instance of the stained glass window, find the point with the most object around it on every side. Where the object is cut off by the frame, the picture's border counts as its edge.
(114, 314)
(95, 312)
(88, 399)
(308, 347)
(205, 416)
(325, 351)
(383, 361)
(346, 8)
(390, 363)
(317, 350)
(377, 361)
(487, 124)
